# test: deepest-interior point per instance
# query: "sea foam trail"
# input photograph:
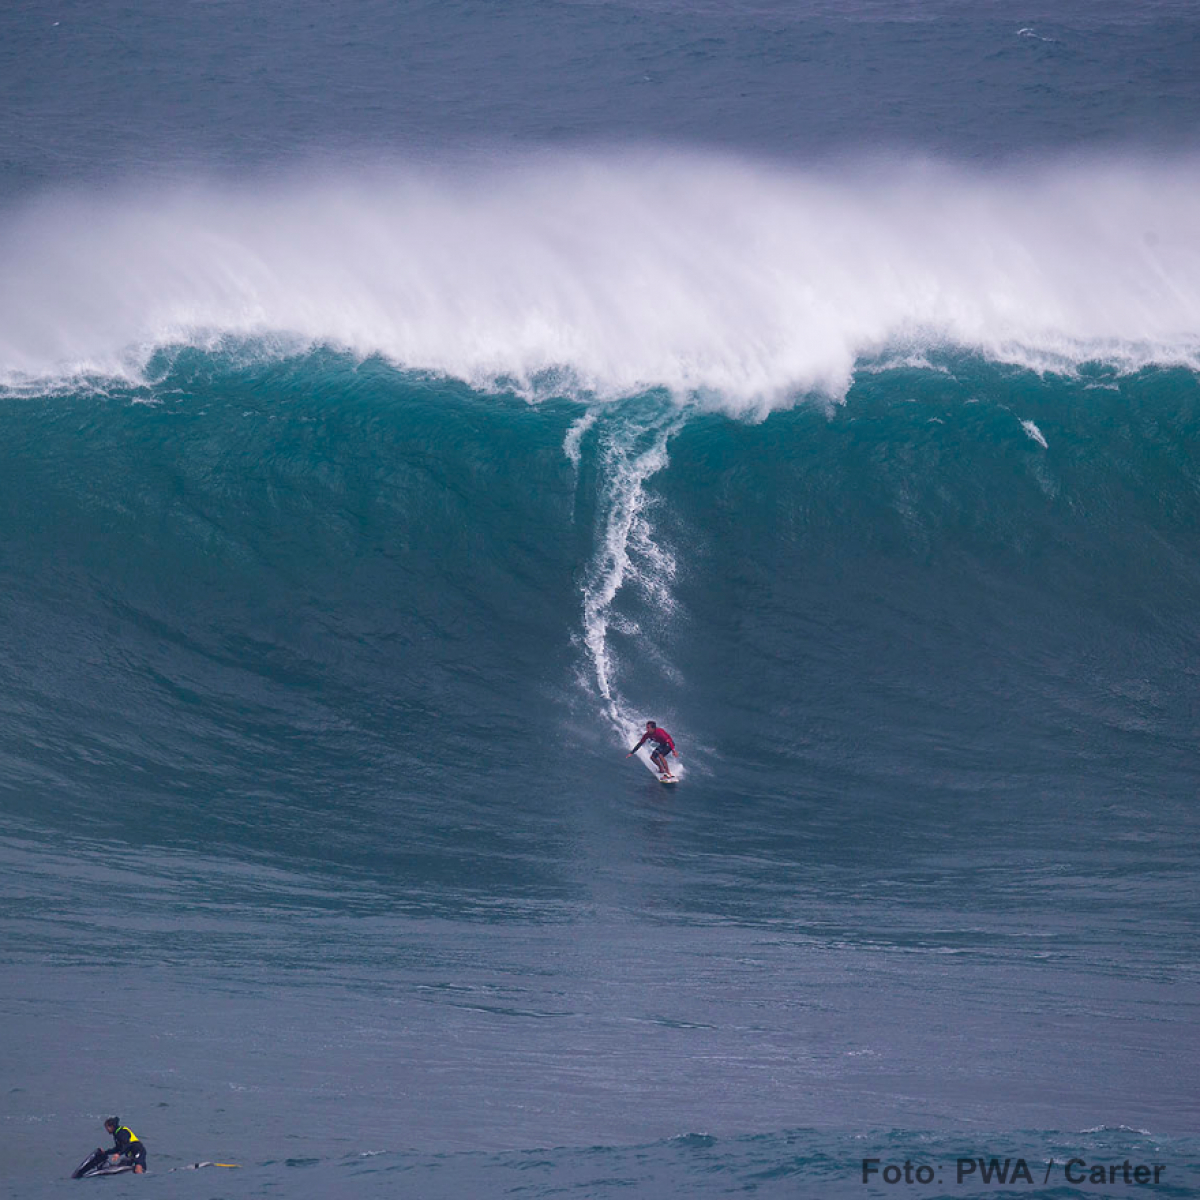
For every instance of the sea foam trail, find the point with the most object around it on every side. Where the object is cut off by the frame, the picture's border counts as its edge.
(607, 274)
(632, 448)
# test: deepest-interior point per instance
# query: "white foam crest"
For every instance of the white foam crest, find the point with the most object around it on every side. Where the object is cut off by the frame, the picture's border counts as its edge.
(747, 283)
(631, 452)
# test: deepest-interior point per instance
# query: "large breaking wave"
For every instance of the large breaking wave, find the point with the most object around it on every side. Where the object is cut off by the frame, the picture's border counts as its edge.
(272, 442)
(268, 583)
(738, 283)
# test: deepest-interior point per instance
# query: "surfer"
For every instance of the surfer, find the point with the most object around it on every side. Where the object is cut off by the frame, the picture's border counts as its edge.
(663, 745)
(126, 1145)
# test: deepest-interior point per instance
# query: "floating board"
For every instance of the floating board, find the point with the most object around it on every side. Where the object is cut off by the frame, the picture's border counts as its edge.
(97, 1164)
(643, 755)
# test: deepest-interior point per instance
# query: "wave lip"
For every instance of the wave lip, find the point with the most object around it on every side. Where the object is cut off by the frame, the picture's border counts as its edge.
(610, 273)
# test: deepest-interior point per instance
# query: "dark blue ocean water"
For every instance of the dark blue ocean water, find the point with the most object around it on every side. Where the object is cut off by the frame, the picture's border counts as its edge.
(399, 404)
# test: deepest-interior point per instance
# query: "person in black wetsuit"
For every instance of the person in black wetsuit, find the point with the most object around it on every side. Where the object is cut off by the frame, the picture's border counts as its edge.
(126, 1145)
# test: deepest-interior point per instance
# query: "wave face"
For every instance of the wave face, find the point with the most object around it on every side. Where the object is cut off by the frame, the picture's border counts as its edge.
(965, 579)
(738, 283)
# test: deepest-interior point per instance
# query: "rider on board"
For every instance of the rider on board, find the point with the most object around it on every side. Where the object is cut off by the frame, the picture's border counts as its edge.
(663, 745)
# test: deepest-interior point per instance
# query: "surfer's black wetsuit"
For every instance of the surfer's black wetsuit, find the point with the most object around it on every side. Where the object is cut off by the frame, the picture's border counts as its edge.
(127, 1144)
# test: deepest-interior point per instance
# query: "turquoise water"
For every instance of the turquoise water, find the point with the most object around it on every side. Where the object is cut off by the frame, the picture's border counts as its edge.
(399, 405)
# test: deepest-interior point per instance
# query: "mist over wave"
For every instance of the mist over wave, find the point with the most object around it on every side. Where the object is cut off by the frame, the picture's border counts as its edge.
(606, 274)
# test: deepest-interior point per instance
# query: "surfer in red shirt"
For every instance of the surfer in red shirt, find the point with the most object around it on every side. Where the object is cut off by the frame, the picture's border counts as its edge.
(663, 745)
